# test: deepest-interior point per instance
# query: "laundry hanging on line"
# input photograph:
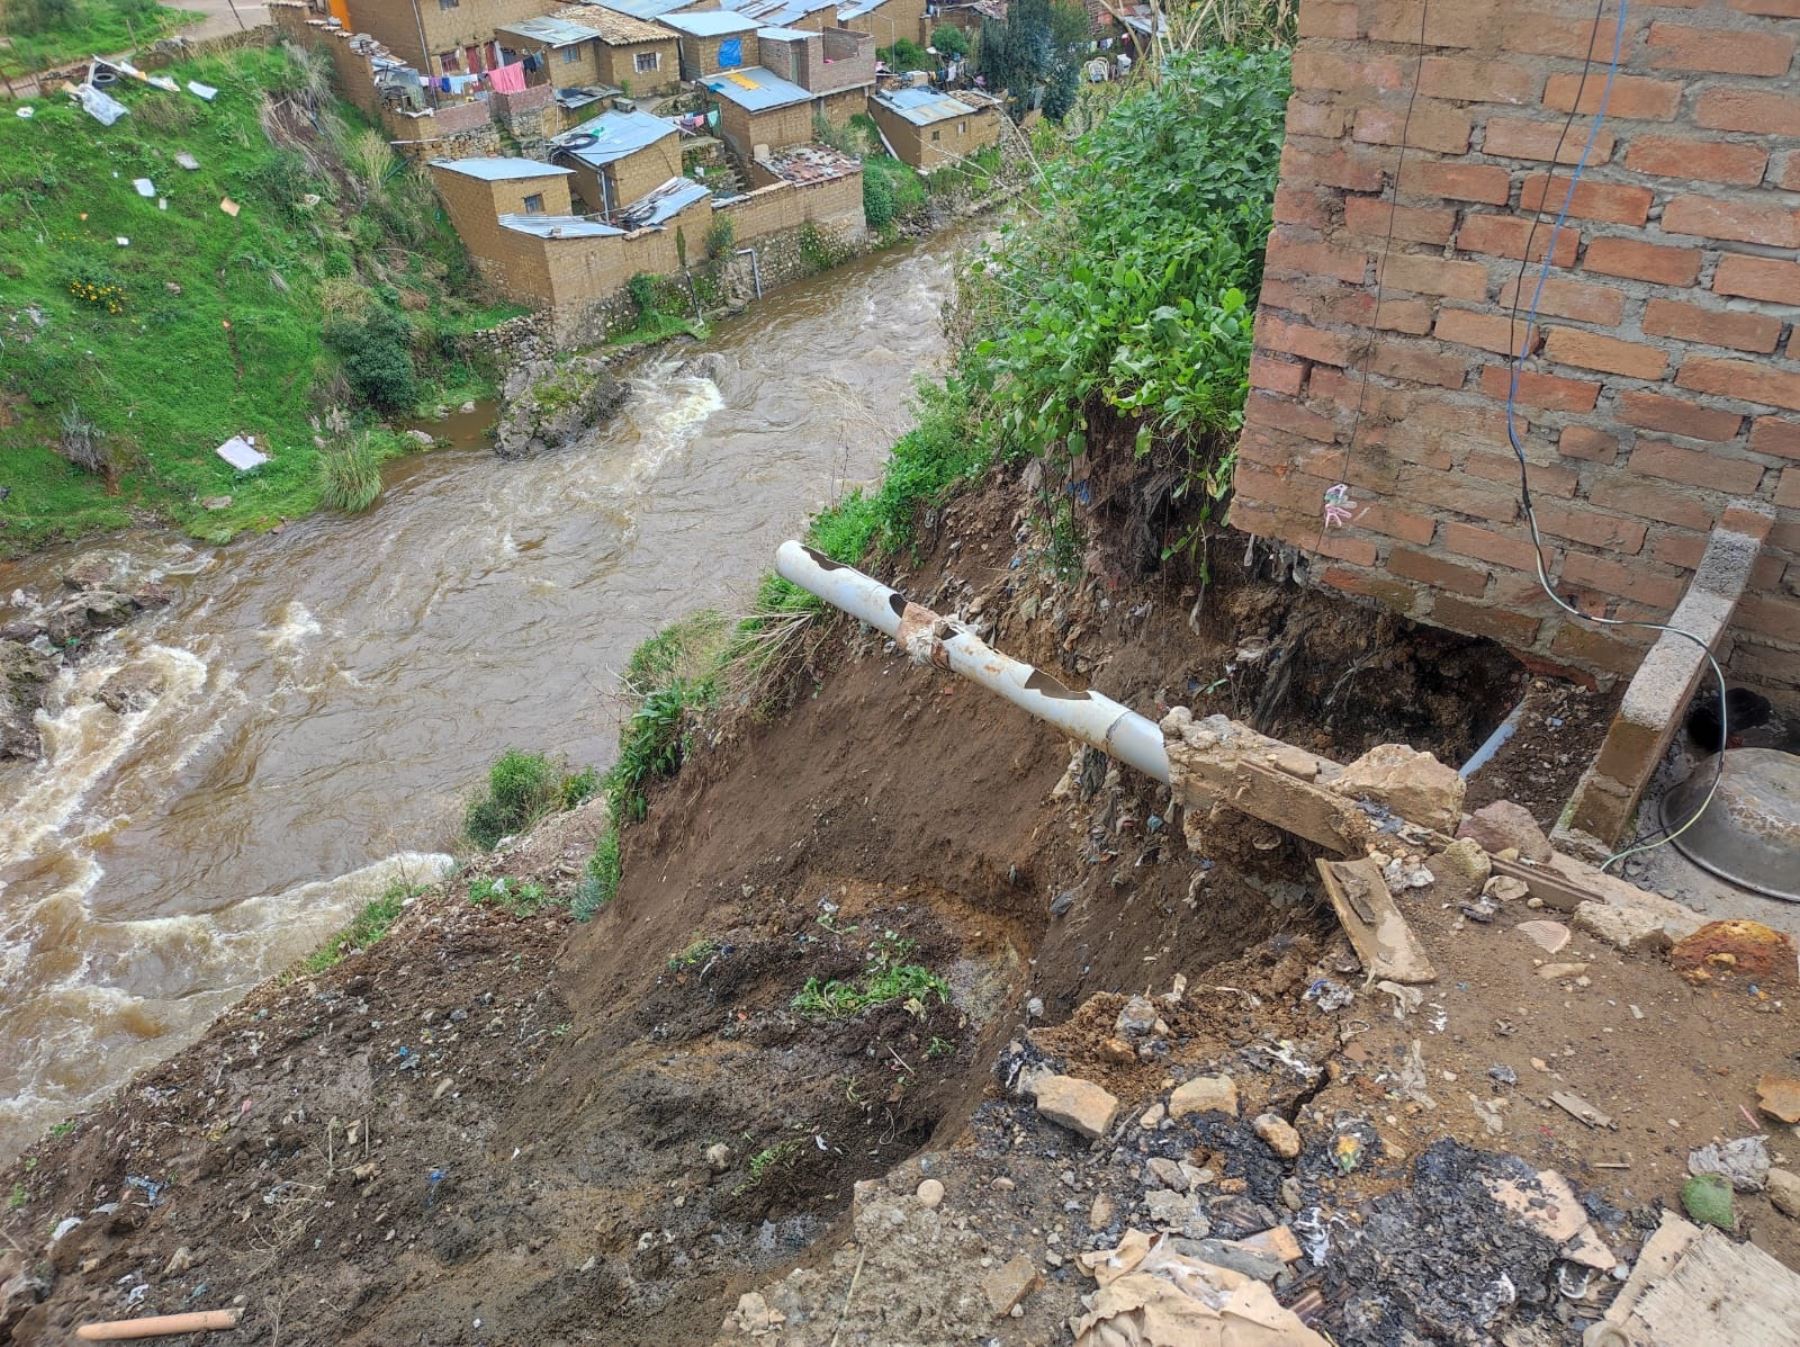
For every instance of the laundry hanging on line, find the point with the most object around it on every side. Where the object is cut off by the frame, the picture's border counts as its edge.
(507, 79)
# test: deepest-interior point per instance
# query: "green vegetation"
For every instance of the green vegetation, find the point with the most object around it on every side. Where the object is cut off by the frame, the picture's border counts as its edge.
(62, 1129)
(1035, 54)
(368, 926)
(721, 235)
(523, 788)
(338, 284)
(887, 979)
(522, 900)
(352, 469)
(600, 877)
(45, 33)
(950, 41)
(18, 1197)
(699, 950)
(770, 1159)
(906, 54)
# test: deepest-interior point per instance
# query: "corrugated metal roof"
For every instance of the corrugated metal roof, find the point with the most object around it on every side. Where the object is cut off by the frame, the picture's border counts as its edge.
(709, 22)
(615, 29)
(648, 9)
(499, 170)
(616, 134)
(558, 226)
(553, 30)
(755, 89)
(778, 13)
(784, 34)
(860, 8)
(922, 107)
(664, 204)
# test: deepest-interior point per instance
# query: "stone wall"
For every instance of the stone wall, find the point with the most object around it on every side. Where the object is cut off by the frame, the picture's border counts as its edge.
(1664, 387)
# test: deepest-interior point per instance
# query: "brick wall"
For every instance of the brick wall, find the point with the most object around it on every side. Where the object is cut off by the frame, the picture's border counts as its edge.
(946, 142)
(834, 205)
(618, 66)
(897, 19)
(776, 128)
(1666, 380)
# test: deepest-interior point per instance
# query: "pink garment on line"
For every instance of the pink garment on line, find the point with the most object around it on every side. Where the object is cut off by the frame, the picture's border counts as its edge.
(507, 79)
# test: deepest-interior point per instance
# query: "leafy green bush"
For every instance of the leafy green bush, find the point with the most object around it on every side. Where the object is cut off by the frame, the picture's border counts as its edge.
(906, 54)
(642, 289)
(521, 899)
(522, 788)
(720, 236)
(378, 359)
(950, 40)
(878, 200)
(352, 473)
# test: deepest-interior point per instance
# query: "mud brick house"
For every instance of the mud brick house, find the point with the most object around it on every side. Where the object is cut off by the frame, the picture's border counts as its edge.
(827, 62)
(812, 15)
(440, 37)
(712, 40)
(887, 21)
(655, 9)
(927, 129)
(583, 46)
(618, 157)
(1661, 397)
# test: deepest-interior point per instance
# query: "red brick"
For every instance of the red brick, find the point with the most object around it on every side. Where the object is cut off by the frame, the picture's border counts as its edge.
(1678, 547)
(1749, 380)
(1778, 9)
(1677, 416)
(1279, 376)
(1339, 167)
(1705, 160)
(1719, 51)
(1631, 494)
(1613, 355)
(1696, 467)
(1614, 202)
(1425, 275)
(1296, 492)
(1770, 435)
(1506, 236)
(1629, 582)
(1306, 258)
(1551, 392)
(1371, 585)
(1767, 278)
(1769, 615)
(1436, 572)
(1502, 549)
(1786, 173)
(1589, 526)
(1767, 222)
(1264, 409)
(1378, 517)
(1634, 98)
(1454, 491)
(1787, 493)
(1490, 331)
(1711, 327)
(1370, 215)
(1497, 624)
(1587, 443)
(1420, 363)
(1643, 261)
(1309, 343)
(1585, 303)
(1303, 206)
(1478, 81)
(1313, 69)
(1317, 19)
(1748, 109)
(1429, 126)
(1412, 316)
(1583, 645)
(1519, 138)
(1459, 182)
(1540, 34)
(1443, 25)
(1325, 120)
(1547, 479)
(1751, 520)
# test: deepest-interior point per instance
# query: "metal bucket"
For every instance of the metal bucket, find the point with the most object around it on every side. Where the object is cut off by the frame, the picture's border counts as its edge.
(1750, 834)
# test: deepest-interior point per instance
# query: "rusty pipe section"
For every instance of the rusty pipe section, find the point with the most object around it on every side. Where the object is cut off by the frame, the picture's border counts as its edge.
(926, 637)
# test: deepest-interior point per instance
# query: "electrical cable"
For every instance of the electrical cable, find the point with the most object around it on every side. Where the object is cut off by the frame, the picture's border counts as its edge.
(1512, 391)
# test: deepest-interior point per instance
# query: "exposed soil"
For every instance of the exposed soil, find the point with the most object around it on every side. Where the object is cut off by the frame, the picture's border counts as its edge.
(1559, 733)
(612, 1132)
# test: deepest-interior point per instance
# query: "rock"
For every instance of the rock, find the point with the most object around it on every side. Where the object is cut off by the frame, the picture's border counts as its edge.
(718, 1157)
(1460, 870)
(20, 1289)
(1414, 785)
(1549, 936)
(1502, 825)
(1204, 1094)
(1779, 1096)
(215, 503)
(549, 404)
(1101, 1214)
(1707, 1198)
(1179, 1212)
(930, 1192)
(1278, 1135)
(90, 611)
(132, 688)
(1137, 1019)
(25, 675)
(1079, 1105)
(421, 438)
(1743, 1163)
(152, 594)
(1649, 923)
(1784, 1192)
(1550, 972)
(1504, 889)
(1167, 1173)
(1118, 1051)
(179, 1262)
(1008, 1285)
(90, 571)
(1151, 1118)
(1034, 1008)
(1745, 948)
(468, 408)
(1060, 905)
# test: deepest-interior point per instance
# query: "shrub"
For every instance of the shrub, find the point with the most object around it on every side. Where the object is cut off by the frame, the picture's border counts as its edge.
(720, 238)
(600, 877)
(378, 359)
(352, 473)
(950, 41)
(368, 926)
(642, 289)
(81, 441)
(906, 55)
(878, 200)
(522, 788)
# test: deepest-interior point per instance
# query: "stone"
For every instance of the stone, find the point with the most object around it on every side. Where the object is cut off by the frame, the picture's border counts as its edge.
(1622, 927)
(1137, 1018)
(131, 688)
(1278, 1135)
(1079, 1105)
(1784, 1192)
(1779, 1096)
(718, 1157)
(930, 1192)
(1101, 1214)
(1167, 1173)
(1008, 1285)
(1741, 947)
(1414, 785)
(1179, 1212)
(1550, 972)
(1503, 825)
(179, 1262)
(421, 438)
(1118, 1051)
(1151, 1118)
(215, 503)
(1460, 871)
(1549, 936)
(90, 611)
(468, 408)
(1204, 1094)
(1505, 889)
(25, 676)
(90, 571)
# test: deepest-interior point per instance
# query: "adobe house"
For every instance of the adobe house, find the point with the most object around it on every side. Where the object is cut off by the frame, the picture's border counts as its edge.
(713, 40)
(440, 37)
(759, 111)
(887, 21)
(631, 55)
(928, 129)
(618, 157)
(812, 15)
(564, 46)
(479, 193)
(824, 63)
(655, 9)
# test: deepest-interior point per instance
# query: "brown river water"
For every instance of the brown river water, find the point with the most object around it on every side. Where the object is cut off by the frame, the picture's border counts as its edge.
(331, 693)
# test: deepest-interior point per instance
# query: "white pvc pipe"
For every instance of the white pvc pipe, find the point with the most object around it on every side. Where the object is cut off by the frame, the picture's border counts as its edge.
(1088, 716)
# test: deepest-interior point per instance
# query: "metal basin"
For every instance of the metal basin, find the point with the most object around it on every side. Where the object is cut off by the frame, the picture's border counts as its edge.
(1750, 834)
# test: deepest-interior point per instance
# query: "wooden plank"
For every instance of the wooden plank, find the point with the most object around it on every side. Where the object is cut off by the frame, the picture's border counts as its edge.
(1722, 1292)
(1384, 942)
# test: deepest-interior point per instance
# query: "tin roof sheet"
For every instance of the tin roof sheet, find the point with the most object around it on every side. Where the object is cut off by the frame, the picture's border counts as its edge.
(922, 107)
(755, 89)
(616, 134)
(557, 226)
(553, 30)
(709, 22)
(499, 170)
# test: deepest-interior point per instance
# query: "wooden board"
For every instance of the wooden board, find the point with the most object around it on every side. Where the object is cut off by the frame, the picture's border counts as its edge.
(1384, 942)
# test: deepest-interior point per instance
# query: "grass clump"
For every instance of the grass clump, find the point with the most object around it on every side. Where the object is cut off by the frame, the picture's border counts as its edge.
(520, 899)
(367, 927)
(523, 788)
(771, 1160)
(698, 951)
(352, 473)
(600, 877)
(886, 979)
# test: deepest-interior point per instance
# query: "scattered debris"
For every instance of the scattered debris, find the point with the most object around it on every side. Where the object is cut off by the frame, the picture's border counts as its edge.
(241, 452)
(1503, 826)
(1549, 936)
(229, 206)
(1707, 1198)
(1278, 1135)
(1204, 1094)
(1742, 947)
(1696, 1286)
(187, 161)
(1548, 1205)
(145, 187)
(1009, 1284)
(1414, 785)
(1779, 1097)
(1744, 1162)
(1579, 1109)
(1152, 1296)
(1383, 941)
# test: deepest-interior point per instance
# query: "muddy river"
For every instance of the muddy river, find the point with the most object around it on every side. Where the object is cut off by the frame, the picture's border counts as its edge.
(330, 694)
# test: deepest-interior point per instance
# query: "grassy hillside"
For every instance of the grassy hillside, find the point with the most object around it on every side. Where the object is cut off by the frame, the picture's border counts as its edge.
(41, 34)
(332, 299)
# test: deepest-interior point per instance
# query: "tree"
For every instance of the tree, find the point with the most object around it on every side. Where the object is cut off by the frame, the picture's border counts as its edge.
(950, 41)
(1036, 53)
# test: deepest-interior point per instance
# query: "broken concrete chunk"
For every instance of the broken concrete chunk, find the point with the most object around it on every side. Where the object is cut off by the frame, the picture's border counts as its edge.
(1503, 824)
(1779, 1096)
(1009, 1284)
(1079, 1105)
(1784, 1192)
(1552, 972)
(1549, 1206)
(1296, 762)
(1549, 936)
(1137, 1018)
(1166, 1173)
(1278, 1135)
(1204, 1094)
(1179, 1212)
(1461, 871)
(1743, 1163)
(1414, 785)
(1638, 926)
(1505, 889)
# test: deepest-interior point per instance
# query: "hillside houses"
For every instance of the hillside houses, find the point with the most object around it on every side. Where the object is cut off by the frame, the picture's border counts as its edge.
(929, 129)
